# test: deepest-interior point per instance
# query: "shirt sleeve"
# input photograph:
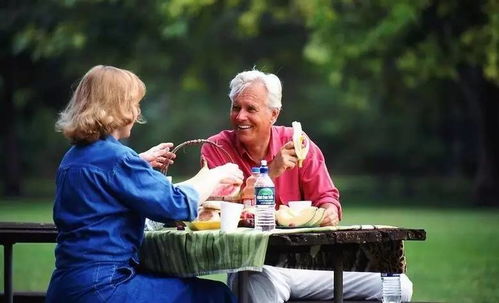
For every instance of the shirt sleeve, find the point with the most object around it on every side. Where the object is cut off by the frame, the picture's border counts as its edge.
(148, 192)
(316, 182)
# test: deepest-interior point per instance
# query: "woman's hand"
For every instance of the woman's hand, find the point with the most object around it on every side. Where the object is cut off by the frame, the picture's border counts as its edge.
(207, 180)
(330, 215)
(230, 182)
(159, 156)
(285, 159)
(228, 174)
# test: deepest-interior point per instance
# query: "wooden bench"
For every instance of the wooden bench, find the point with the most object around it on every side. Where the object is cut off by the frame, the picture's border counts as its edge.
(26, 297)
(12, 233)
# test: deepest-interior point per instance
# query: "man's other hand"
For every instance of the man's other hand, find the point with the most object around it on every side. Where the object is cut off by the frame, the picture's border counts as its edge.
(331, 217)
(285, 159)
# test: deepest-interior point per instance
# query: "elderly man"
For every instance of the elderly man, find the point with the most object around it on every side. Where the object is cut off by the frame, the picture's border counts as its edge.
(256, 104)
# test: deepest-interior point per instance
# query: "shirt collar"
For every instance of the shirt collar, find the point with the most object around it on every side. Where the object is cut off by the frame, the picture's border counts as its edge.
(110, 138)
(271, 152)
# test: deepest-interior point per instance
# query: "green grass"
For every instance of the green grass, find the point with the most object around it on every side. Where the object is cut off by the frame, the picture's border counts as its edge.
(459, 261)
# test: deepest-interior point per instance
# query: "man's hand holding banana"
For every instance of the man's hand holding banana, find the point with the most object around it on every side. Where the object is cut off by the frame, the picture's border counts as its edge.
(291, 154)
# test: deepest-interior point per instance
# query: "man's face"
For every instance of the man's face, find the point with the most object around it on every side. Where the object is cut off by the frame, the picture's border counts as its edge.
(250, 115)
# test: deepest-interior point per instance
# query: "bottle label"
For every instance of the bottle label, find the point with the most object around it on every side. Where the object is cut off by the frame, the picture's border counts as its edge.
(264, 195)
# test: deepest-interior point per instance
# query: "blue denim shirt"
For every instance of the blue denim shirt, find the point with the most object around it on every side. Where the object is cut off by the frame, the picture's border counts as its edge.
(104, 193)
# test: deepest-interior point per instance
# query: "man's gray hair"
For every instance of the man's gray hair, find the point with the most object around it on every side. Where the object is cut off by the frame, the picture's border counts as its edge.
(271, 82)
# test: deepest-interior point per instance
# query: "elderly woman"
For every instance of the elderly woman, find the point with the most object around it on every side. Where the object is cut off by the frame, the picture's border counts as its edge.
(105, 191)
(256, 103)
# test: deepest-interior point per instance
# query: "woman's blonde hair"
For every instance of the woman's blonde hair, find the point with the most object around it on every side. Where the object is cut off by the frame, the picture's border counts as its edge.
(103, 101)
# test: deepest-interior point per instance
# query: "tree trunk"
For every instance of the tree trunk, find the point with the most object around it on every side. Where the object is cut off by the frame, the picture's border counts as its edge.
(8, 118)
(485, 97)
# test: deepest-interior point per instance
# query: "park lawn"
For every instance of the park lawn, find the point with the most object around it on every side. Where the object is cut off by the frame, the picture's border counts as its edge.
(458, 262)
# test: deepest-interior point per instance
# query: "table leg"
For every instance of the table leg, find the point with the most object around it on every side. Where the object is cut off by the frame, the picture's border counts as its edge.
(338, 277)
(7, 276)
(243, 286)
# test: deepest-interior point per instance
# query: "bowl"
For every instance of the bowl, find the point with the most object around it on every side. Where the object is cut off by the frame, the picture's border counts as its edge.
(299, 205)
(306, 217)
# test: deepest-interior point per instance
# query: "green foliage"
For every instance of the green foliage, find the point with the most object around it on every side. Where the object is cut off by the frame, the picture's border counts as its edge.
(364, 34)
(371, 81)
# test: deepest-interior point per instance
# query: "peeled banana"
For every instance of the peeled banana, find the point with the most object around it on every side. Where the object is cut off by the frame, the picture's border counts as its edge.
(301, 142)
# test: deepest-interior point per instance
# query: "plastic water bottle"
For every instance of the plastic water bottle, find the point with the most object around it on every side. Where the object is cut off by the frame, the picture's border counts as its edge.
(392, 292)
(265, 200)
(248, 194)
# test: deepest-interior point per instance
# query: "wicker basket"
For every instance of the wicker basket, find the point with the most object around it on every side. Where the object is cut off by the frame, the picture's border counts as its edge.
(164, 169)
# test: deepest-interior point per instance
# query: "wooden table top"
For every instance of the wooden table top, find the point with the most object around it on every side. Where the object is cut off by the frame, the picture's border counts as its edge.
(27, 232)
(47, 232)
(359, 236)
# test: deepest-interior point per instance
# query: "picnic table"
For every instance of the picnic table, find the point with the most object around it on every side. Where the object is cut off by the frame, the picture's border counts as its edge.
(365, 248)
(352, 248)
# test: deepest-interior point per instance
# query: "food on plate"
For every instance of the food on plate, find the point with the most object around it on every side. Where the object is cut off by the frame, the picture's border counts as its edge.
(301, 142)
(208, 216)
(248, 191)
(227, 192)
(209, 211)
(203, 225)
(306, 217)
(211, 204)
(247, 218)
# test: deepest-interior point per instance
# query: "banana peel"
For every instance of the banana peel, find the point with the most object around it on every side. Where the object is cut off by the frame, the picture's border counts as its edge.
(301, 142)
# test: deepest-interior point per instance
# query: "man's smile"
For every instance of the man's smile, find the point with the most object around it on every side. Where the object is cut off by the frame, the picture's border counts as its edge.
(243, 127)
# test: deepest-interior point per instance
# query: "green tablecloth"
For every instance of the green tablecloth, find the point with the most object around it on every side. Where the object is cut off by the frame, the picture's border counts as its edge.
(188, 253)
(193, 253)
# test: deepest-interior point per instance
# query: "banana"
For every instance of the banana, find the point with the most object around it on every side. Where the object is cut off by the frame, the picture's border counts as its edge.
(299, 139)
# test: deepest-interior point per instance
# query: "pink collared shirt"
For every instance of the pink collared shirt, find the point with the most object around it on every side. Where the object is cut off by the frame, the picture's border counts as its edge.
(309, 182)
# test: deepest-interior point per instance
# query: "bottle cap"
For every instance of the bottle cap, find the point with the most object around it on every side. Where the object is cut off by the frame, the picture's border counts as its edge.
(264, 163)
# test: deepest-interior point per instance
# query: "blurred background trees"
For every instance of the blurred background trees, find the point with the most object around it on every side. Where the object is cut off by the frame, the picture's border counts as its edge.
(392, 89)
